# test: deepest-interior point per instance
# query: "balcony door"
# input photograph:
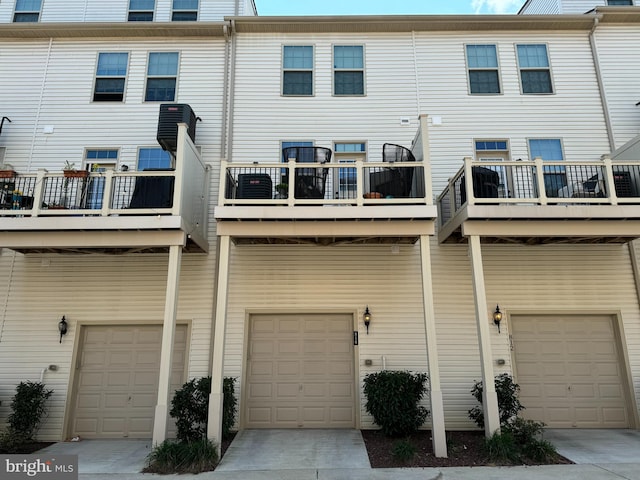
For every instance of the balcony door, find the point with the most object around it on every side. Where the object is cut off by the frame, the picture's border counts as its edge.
(98, 161)
(496, 151)
(343, 180)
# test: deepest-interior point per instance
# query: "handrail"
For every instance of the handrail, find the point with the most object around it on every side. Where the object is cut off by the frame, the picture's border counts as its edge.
(540, 182)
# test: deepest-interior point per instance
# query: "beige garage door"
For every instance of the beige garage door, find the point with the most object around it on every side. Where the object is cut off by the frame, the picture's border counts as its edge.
(300, 372)
(570, 371)
(117, 380)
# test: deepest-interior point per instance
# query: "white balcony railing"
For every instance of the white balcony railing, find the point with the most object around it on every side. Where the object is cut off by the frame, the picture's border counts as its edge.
(539, 182)
(357, 183)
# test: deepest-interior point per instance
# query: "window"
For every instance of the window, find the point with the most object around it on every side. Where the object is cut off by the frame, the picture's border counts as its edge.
(111, 74)
(482, 64)
(348, 70)
(613, 3)
(161, 77)
(297, 70)
(554, 175)
(535, 74)
(141, 10)
(27, 11)
(153, 158)
(185, 11)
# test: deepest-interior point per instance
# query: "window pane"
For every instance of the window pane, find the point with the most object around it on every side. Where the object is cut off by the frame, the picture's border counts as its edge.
(112, 64)
(184, 16)
(619, 2)
(141, 4)
(28, 5)
(153, 158)
(25, 17)
(163, 64)
(160, 89)
(349, 147)
(294, 144)
(533, 56)
(185, 4)
(482, 56)
(536, 81)
(547, 149)
(297, 83)
(484, 81)
(298, 57)
(110, 85)
(349, 83)
(348, 57)
(140, 16)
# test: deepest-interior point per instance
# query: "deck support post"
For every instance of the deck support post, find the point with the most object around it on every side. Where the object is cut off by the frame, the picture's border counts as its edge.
(489, 397)
(166, 354)
(438, 434)
(214, 430)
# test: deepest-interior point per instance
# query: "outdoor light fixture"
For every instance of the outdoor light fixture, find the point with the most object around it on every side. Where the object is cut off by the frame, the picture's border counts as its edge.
(367, 318)
(497, 317)
(62, 327)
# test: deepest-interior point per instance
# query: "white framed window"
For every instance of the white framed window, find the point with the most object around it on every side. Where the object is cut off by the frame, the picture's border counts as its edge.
(111, 75)
(27, 11)
(153, 158)
(184, 11)
(141, 10)
(297, 70)
(348, 70)
(550, 149)
(162, 73)
(619, 3)
(482, 69)
(535, 70)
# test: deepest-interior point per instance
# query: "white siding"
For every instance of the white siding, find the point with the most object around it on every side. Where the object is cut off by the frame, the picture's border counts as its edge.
(263, 118)
(117, 10)
(573, 113)
(580, 6)
(57, 90)
(538, 7)
(37, 290)
(521, 279)
(619, 53)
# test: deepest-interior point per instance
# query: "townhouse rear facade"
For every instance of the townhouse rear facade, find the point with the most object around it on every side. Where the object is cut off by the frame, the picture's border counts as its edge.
(426, 170)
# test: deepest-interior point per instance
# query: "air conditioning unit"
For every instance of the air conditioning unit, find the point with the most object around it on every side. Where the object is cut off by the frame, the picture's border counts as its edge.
(254, 185)
(171, 114)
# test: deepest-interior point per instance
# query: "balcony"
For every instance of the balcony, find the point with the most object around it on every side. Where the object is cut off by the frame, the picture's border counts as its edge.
(108, 212)
(534, 202)
(326, 203)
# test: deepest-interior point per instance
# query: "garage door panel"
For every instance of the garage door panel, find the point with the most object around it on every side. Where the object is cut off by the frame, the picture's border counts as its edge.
(116, 397)
(571, 373)
(301, 356)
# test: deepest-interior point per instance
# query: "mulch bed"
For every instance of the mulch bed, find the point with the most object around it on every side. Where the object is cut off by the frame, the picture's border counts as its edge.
(26, 448)
(465, 449)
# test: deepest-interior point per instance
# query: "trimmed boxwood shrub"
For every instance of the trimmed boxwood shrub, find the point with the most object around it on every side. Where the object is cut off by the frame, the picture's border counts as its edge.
(393, 398)
(508, 403)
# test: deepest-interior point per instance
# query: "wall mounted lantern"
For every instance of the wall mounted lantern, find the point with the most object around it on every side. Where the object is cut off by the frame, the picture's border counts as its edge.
(367, 318)
(62, 327)
(497, 317)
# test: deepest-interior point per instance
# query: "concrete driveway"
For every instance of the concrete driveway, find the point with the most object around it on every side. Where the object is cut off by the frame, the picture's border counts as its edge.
(343, 450)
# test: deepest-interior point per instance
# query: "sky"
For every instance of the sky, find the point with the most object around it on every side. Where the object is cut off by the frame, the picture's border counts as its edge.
(386, 7)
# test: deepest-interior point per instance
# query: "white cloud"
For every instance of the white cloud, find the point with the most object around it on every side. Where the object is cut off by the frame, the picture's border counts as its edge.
(495, 6)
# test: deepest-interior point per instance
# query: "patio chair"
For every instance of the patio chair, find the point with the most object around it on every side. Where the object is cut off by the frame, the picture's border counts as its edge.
(393, 182)
(309, 182)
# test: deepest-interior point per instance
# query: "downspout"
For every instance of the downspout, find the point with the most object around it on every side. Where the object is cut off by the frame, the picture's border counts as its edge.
(225, 94)
(236, 8)
(603, 96)
(45, 73)
(232, 88)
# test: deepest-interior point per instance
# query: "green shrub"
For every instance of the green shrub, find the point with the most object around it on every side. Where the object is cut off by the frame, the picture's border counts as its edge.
(508, 403)
(28, 407)
(179, 457)
(229, 406)
(527, 435)
(190, 408)
(501, 448)
(403, 450)
(540, 451)
(393, 400)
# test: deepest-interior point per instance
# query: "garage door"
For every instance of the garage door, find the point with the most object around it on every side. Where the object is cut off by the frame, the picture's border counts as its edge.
(570, 371)
(300, 372)
(117, 380)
